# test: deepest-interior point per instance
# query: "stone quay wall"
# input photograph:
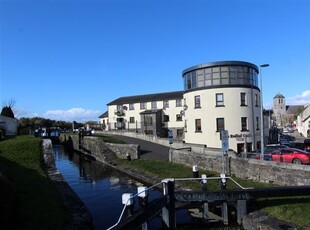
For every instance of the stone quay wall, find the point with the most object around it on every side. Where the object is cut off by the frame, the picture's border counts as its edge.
(250, 169)
(81, 217)
(102, 151)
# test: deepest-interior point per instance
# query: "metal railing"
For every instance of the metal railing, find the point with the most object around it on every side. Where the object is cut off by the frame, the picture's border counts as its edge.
(128, 200)
(222, 179)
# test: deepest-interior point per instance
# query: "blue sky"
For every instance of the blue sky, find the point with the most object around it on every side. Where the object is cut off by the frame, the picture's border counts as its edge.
(66, 59)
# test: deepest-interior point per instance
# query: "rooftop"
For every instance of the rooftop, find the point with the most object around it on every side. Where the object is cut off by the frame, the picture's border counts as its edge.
(148, 97)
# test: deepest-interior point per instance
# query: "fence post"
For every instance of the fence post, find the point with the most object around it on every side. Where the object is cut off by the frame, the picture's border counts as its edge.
(195, 171)
(204, 182)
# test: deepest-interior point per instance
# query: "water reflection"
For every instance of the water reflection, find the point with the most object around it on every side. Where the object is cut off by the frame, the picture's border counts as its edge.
(100, 187)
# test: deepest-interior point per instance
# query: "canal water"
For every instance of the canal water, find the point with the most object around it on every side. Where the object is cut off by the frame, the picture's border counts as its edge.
(100, 187)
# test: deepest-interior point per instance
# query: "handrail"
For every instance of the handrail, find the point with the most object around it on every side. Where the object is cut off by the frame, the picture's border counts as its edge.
(213, 178)
(125, 205)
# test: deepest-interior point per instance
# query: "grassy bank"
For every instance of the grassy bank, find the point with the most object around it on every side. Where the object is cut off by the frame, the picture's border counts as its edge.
(295, 210)
(38, 203)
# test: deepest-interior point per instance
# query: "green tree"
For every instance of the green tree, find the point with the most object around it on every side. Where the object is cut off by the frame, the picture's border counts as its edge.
(7, 109)
(7, 112)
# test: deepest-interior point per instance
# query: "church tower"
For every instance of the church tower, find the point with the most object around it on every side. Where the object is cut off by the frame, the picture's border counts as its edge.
(279, 108)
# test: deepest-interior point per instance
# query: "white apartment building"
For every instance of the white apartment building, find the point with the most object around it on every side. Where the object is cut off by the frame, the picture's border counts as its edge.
(153, 114)
(217, 96)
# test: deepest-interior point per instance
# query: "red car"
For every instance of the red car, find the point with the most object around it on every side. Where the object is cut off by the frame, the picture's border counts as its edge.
(291, 155)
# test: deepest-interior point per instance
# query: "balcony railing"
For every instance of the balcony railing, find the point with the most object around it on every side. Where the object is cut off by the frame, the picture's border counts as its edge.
(119, 112)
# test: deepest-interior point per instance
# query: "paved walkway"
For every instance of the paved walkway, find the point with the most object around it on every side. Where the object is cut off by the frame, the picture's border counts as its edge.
(149, 150)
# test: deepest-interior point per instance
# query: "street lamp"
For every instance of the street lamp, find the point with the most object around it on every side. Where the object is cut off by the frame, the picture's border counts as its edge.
(261, 112)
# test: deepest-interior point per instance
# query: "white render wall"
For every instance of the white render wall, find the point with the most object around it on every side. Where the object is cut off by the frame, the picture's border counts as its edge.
(172, 111)
(9, 125)
(303, 121)
(231, 112)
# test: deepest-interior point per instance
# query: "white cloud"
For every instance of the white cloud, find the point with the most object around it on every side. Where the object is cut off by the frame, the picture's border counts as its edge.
(74, 114)
(301, 99)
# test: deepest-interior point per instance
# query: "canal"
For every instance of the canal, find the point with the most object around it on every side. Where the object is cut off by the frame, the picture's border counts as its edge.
(100, 187)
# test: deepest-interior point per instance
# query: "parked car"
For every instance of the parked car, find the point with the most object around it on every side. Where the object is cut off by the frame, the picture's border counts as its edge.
(297, 145)
(271, 147)
(291, 155)
(307, 144)
(283, 141)
(268, 149)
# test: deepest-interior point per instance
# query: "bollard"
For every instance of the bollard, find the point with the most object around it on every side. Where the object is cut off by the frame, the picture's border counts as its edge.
(204, 182)
(143, 196)
(195, 171)
(127, 200)
(223, 181)
(128, 157)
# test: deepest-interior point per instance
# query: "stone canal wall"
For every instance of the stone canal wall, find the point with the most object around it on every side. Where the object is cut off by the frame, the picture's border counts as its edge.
(102, 151)
(251, 169)
(81, 217)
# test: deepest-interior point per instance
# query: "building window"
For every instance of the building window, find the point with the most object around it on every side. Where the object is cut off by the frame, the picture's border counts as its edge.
(154, 105)
(220, 124)
(131, 119)
(219, 99)
(257, 123)
(119, 107)
(179, 117)
(244, 125)
(243, 99)
(131, 107)
(197, 102)
(256, 100)
(143, 105)
(198, 125)
(178, 102)
(148, 120)
(165, 104)
(166, 118)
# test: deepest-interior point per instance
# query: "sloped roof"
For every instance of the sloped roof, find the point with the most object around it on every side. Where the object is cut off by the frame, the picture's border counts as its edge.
(148, 97)
(105, 114)
(294, 109)
(306, 118)
(279, 95)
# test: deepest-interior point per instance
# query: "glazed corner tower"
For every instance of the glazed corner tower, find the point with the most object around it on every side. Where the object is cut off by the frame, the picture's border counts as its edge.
(222, 95)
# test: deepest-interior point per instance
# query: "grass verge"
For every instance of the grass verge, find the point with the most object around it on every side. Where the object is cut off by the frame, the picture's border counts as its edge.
(38, 203)
(295, 210)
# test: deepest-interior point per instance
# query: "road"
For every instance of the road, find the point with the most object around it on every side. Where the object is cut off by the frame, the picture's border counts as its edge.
(149, 150)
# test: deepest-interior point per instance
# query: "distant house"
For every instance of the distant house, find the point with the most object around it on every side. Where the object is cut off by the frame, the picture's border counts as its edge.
(303, 121)
(104, 120)
(8, 125)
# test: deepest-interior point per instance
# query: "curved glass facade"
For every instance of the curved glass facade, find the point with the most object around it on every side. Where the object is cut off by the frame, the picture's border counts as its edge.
(220, 73)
